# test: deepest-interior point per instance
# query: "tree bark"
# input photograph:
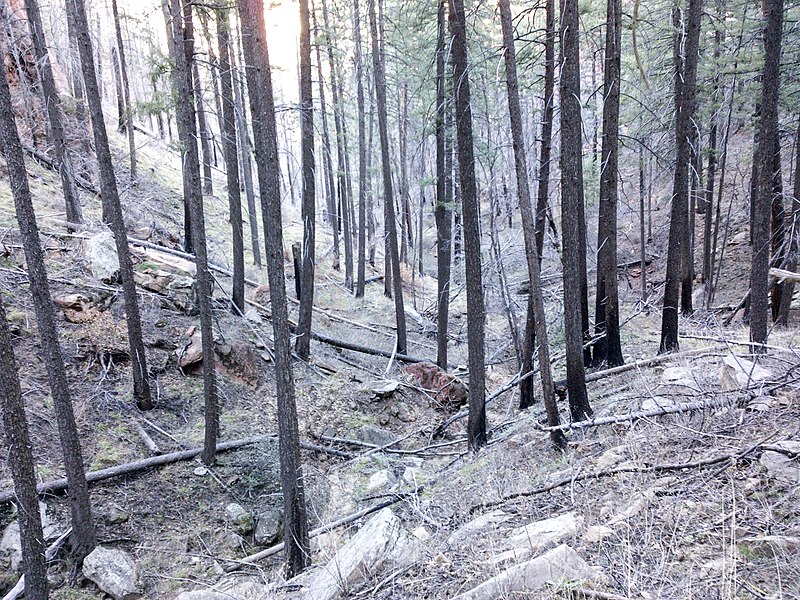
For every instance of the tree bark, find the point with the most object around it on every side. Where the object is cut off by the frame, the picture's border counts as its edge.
(571, 207)
(362, 155)
(685, 79)
(768, 143)
(476, 312)
(126, 90)
(228, 121)
(265, 136)
(80, 510)
(792, 230)
(203, 130)
(390, 223)
(21, 462)
(608, 348)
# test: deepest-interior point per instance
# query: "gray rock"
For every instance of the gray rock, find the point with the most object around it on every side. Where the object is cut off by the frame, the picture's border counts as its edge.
(782, 467)
(738, 373)
(240, 518)
(116, 516)
(381, 480)
(101, 252)
(477, 526)
(114, 572)
(269, 527)
(11, 544)
(560, 563)
(229, 590)
(253, 316)
(376, 435)
(529, 540)
(381, 543)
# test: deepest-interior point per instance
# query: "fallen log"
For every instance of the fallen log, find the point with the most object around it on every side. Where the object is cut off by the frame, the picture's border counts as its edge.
(783, 275)
(48, 162)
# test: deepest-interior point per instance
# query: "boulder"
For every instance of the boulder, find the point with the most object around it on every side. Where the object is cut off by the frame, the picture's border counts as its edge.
(240, 518)
(101, 252)
(11, 544)
(229, 590)
(384, 389)
(679, 377)
(382, 480)
(448, 392)
(560, 563)
(269, 527)
(377, 436)
(736, 373)
(531, 539)
(114, 572)
(178, 291)
(381, 543)
(477, 526)
(780, 466)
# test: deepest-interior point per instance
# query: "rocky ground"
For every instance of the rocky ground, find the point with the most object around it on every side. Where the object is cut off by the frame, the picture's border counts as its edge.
(691, 504)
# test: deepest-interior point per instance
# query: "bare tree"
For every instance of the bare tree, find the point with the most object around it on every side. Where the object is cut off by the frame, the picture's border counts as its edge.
(362, 155)
(126, 90)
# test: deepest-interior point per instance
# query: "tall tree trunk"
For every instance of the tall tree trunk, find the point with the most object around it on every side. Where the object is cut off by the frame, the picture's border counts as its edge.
(777, 230)
(390, 225)
(265, 136)
(642, 235)
(203, 130)
(362, 156)
(794, 234)
(536, 299)
(571, 208)
(685, 78)
(303, 344)
(228, 122)
(707, 205)
(126, 90)
(476, 312)
(50, 352)
(768, 143)
(608, 348)
(121, 120)
(108, 189)
(183, 34)
(54, 114)
(406, 228)
(22, 464)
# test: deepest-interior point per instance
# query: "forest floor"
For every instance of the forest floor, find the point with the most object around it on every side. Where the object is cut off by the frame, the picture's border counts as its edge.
(676, 506)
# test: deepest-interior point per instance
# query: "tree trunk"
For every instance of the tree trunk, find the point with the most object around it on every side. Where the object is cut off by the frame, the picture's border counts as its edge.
(228, 122)
(768, 143)
(108, 190)
(406, 228)
(792, 230)
(642, 238)
(203, 130)
(303, 344)
(685, 78)
(608, 349)
(121, 120)
(571, 207)
(50, 352)
(183, 34)
(476, 312)
(777, 230)
(55, 115)
(390, 223)
(21, 460)
(362, 156)
(265, 136)
(126, 90)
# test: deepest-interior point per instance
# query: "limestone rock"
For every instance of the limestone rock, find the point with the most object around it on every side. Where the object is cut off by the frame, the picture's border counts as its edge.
(240, 518)
(229, 590)
(380, 481)
(596, 534)
(736, 373)
(477, 526)
(560, 563)
(11, 544)
(384, 389)
(101, 252)
(531, 539)
(381, 543)
(114, 572)
(680, 377)
(780, 466)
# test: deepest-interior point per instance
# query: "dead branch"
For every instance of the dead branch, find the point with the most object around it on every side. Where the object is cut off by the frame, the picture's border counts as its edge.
(146, 439)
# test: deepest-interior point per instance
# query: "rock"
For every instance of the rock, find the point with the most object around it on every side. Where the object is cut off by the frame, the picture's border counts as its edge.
(240, 518)
(192, 353)
(477, 526)
(384, 389)
(610, 458)
(101, 252)
(77, 308)
(680, 377)
(560, 563)
(114, 572)
(762, 403)
(381, 480)
(421, 533)
(531, 539)
(381, 543)
(178, 291)
(269, 527)
(229, 590)
(770, 545)
(780, 466)
(403, 412)
(376, 436)
(11, 544)
(260, 295)
(116, 515)
(411, 476)
(448, 391)
(736, 373)
(656, 403)
(596, 534)
(253, 316)
(638, 503)
(200, 471)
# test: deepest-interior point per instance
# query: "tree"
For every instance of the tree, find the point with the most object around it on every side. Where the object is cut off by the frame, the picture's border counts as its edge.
(265, 137)
(476, 312)
(443, 215)
(183, 35)
(536, 300)
(547, 125)
(50, 352)
(23, 467)
(228, 120)
(685, 79)
(390, 222)
(108, 189)
(362, 156)
(608, 349)
(54, 114)
(571, 208)
(767, 151)
(303, 344)
(126, 90)
(203, 128)
(794, 234)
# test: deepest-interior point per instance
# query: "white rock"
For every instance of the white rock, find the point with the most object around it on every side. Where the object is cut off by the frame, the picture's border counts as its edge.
(241, 518)
(560, 563)
(782, 467)
(638, 503)
(596, 533)
(381, 542)
(253, 316)
(421, 533)
(656, 403)
(114, 572)
(531, 539)
(229, 591)
(679, 376)
(380, 480)
(736, 373)
(610, 458)
(411, 476)
(101, 252)
(11, 544)
(478, 525)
